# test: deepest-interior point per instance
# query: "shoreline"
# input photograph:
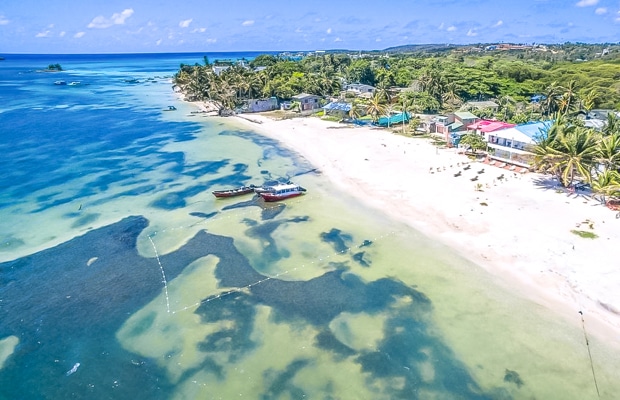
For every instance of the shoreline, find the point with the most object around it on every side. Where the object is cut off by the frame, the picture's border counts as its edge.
(518, 229)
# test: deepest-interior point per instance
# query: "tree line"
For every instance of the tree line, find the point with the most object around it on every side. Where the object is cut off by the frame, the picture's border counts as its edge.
(436, 83)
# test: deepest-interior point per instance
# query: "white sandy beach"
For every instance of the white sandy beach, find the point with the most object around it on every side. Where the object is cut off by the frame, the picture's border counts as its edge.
(516, 229)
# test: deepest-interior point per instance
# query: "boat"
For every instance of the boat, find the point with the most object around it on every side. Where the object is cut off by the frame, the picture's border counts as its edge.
(76, 83)
(281, 191)
(60, 83)
(234, 192)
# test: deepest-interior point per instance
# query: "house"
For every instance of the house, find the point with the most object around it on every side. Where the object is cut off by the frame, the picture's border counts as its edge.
(596, 119)
(359, 88)
(485, 126)
(218, 69)
(309, 102)
(444, 125)
(512, 145)
(481, 105)
(338, 108)
(260, 105)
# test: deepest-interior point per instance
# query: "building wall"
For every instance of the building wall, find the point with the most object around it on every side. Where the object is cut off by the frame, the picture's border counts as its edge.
(261, 105)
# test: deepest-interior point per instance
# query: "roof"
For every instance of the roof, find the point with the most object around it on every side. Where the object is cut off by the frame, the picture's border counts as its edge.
(594, 123)
(359, 86)
(482, 104)
(534, 129)
(524, 133)
(455, 125)
(465, 115)
(486, 125)
(340, 106)
(302, 96)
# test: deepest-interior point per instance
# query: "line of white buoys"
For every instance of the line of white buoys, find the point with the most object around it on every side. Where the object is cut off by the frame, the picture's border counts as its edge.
(241, 289)
(163, 275)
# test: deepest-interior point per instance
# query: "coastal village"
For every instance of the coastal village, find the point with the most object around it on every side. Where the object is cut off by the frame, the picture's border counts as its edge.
(506, 131)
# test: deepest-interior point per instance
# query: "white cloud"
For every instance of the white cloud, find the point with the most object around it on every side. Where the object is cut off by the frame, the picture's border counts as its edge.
(185, 23)
(441, 26)
(329, 31)
(298, 30)
(79, 35)
(498, 24)
(4, 20)
(101, 22)
(199, 30)
(337, 40)
(211, 40)
(586, 3)
(43, 34)
(600, 11)
(248, 22)
(62, 34)
(451, 28)
(157, 43)
(378, 39)
(472, 32)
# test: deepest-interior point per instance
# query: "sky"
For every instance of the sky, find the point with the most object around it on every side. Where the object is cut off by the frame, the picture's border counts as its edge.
(153, 26)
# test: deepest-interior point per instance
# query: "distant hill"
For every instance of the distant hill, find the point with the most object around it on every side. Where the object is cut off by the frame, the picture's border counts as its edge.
(413, 48)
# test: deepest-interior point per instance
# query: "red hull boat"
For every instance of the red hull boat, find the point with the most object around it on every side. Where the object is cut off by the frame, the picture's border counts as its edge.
(281, 192)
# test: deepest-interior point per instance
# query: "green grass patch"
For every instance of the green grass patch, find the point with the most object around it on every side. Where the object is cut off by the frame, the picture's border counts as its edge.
(585, 234)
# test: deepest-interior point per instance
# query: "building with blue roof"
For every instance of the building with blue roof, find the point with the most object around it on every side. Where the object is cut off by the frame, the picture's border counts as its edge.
(513, 145)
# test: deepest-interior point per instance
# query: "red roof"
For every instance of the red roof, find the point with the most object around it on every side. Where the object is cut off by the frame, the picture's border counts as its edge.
(486, 126)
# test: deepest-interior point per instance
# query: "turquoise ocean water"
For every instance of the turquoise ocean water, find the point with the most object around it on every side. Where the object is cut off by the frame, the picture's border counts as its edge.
(121, 276)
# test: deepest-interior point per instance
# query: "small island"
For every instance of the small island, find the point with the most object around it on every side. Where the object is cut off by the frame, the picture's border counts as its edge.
(54, 68)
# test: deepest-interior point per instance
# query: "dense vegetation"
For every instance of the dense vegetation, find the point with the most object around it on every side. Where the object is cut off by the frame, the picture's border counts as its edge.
(54, 67)
(437, 81)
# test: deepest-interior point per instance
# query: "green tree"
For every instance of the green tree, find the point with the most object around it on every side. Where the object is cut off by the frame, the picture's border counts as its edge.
(474, 141)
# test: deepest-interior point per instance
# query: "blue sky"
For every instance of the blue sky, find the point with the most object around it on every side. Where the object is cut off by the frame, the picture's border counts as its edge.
(120, 26)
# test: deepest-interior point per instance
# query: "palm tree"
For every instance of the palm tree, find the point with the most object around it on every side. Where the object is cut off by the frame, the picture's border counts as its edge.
(613, 124)
(567, 151)
(588, 101)
(450, 95)
(608, 153)
(567, 100)
(607, 184)
(506, 103)
(550, 102)
(375, 107)
(354, 112)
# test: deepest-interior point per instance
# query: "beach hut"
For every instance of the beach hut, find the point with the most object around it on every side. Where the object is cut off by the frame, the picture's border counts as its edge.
(337, 108)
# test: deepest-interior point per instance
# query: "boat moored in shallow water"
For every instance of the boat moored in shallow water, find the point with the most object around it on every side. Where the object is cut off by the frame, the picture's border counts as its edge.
(281, 191)
(234, 192)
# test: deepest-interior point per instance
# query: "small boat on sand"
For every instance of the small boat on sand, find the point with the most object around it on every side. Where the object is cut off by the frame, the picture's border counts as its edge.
(281, 191)
(234, 192)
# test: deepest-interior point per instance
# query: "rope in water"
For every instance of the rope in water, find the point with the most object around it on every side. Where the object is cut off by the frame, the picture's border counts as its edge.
(585, 335)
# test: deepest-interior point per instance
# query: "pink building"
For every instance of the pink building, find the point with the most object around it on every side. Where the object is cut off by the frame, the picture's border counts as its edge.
(485, 126)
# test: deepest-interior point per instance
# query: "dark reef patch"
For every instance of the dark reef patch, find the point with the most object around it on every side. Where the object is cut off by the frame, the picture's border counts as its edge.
(340, 241)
